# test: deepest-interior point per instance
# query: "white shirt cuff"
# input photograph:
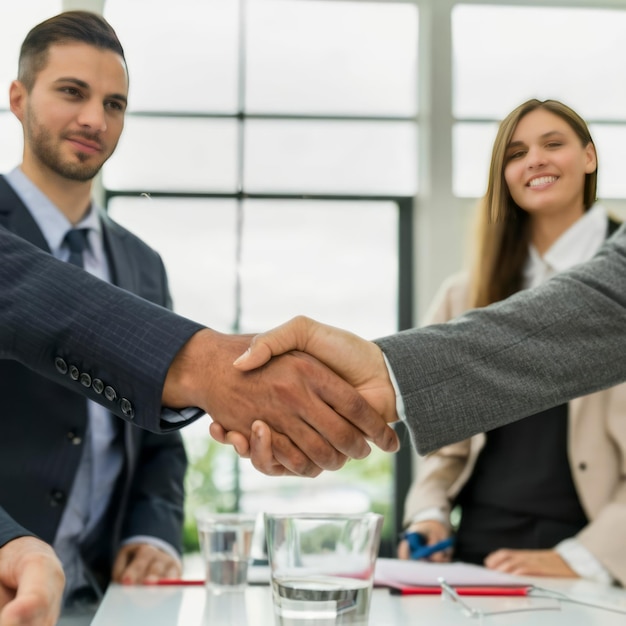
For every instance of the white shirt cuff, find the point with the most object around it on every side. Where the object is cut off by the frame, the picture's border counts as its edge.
(176, 416)
(583, 562)
(400, 410)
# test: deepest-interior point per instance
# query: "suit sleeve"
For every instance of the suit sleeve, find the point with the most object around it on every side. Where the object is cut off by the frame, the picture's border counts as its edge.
(439, 471)
(98, 340)
(10, 529)
(537, 349)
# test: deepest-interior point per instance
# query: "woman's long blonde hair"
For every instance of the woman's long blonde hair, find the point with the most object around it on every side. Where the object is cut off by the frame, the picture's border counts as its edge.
(502, 228)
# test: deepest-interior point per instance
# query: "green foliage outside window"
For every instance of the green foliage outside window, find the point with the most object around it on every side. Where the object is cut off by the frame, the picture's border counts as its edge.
(211, 482)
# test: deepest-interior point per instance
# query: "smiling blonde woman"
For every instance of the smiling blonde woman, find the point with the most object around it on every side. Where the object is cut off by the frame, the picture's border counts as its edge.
(542, 496)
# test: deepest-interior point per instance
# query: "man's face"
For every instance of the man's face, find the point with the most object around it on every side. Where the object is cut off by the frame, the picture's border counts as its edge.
(74, 114)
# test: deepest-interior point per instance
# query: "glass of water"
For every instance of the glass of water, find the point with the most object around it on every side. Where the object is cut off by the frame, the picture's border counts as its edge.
(322, 567)
(225, 540)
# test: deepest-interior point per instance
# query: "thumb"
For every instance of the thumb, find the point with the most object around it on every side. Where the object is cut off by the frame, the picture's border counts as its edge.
(257, 354)
(292, 335)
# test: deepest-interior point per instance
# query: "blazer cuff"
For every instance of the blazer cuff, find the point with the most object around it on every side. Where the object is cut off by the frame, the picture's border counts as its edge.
(432, 513)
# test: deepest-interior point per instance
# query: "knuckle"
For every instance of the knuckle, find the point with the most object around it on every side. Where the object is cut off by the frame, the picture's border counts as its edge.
(326, 456)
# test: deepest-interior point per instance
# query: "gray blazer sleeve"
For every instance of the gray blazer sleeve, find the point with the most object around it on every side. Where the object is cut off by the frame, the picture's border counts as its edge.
(75, 329)
(532, 351)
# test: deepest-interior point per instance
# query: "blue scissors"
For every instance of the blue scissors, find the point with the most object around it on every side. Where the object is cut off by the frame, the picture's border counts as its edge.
(419, 548)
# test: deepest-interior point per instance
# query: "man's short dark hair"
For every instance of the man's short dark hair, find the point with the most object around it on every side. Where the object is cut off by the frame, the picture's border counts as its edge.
(67, 27)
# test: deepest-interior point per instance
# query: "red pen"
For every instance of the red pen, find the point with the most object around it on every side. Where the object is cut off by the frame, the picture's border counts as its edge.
(487, 590)
(176, 581)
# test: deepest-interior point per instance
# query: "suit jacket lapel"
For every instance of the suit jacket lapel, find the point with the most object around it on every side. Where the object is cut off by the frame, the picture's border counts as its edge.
(17, 218)
(123, 271)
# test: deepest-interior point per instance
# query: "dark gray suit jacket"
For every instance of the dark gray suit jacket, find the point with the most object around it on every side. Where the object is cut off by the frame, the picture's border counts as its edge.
(44, 425)
(51, 310)
(535, 350)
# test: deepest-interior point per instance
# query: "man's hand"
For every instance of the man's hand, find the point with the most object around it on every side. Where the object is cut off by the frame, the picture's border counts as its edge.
(31, 583)
(317, 419)
(258, 448)
(357, 361)
(530, 563)
(138, 563)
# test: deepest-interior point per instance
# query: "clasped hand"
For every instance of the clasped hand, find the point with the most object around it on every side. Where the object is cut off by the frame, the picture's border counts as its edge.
(353, 400)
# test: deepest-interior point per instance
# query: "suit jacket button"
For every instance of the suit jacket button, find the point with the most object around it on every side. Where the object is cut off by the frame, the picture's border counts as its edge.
(61, 365)
(74, 439)
(74, 373)
(97, 385)
(85, 379)
(110, 394)
(57, 497)
(127, 408)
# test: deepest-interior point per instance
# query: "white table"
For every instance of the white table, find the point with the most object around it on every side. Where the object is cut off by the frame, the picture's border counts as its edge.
(193, 606)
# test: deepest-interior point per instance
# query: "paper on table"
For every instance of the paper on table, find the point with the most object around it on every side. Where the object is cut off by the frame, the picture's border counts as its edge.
(422, 573)
(425, 573)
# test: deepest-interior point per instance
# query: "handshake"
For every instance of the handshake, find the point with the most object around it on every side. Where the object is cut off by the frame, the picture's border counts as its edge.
(299, 399)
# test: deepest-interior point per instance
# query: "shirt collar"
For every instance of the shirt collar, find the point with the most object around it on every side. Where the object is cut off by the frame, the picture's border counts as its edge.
(50, 219)
(577, 244)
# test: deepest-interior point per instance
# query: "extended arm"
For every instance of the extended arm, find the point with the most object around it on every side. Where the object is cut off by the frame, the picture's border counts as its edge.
(535, 350)
(491, 366)
(134, 357)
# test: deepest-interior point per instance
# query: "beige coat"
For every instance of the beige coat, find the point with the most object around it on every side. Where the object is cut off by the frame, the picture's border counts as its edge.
(596, 449)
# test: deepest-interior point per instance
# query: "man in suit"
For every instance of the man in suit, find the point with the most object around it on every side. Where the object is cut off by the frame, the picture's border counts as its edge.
(57, 319)
(108, 497)
(121, 352)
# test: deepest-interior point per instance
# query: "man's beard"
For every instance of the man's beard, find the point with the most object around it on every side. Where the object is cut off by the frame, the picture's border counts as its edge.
(44, 148)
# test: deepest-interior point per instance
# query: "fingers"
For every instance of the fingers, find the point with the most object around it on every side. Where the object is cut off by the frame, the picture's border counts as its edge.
(498, 559)
(357, 361)
(263, 459)
(235, 439)
(404, 552)
(529, 563)
(517, 562)
(217, 432)
(354, 408)
(138, 563)
(316, 421)
(275, 455)
(340, 400)
(31, 583)
(443, 556)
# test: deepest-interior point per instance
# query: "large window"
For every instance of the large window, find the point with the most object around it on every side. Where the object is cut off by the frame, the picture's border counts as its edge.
(272, 165)
(576, 55)
(13, 29)
(288, 156)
